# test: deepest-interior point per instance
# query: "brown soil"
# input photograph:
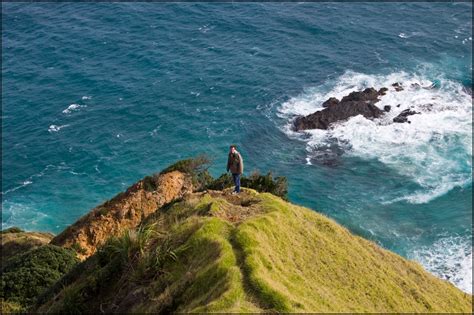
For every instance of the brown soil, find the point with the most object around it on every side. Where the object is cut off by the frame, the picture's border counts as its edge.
(238, 208)
(124, 211)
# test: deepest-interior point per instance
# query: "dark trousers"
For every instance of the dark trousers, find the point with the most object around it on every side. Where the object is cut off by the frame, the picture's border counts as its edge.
(236, 178)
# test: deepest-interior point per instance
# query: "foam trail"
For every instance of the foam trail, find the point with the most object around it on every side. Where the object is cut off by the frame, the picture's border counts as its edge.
(25, 183)
(434, 151)
(29, 180)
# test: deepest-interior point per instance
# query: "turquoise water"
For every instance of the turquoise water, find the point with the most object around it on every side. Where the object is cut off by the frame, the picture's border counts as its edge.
(95, 96)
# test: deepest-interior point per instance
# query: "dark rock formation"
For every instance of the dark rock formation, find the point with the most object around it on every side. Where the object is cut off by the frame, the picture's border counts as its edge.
(387, 108)
(397, 86)
(331, 101)
(356, 103)
(383, 90)
(403, 116)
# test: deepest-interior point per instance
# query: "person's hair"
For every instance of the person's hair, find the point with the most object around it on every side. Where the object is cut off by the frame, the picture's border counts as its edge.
(233, 146)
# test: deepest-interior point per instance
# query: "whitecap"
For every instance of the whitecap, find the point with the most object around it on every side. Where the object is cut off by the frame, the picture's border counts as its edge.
(449, 258)
(56, 128)
(73, 107)
(403, 35)
(85, 97)
(434, 151)
(205, 28)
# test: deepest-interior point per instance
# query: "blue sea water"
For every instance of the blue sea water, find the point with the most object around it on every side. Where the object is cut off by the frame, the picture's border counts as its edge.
(97, 95)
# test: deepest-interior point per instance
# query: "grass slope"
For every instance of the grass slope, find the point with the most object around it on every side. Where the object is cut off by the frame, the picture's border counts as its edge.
(216, 252)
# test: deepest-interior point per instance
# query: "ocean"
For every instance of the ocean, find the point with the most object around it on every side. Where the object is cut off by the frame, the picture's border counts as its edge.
(96, 96)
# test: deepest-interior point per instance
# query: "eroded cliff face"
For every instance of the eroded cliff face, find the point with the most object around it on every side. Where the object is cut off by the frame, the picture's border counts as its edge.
(125, 211)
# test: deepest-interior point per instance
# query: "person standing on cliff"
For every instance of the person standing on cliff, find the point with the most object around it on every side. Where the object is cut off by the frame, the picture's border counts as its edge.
(235, 164)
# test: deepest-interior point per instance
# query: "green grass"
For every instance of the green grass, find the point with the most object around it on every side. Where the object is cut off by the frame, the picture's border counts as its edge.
(277, 257)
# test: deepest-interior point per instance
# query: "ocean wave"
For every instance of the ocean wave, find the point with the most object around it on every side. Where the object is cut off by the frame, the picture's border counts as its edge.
(56, 128)
(31, 178)
(449, 258)
(73, 107)
(434, 151)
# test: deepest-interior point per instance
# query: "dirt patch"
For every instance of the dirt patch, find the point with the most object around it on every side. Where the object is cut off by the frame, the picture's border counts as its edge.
(235, 208)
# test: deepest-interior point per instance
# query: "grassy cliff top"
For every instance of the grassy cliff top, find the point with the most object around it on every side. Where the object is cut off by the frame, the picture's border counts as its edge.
(15, 241)
(216, 252)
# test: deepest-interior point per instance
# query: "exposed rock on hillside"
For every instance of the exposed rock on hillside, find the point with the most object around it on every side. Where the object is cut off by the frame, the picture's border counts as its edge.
(124, 211)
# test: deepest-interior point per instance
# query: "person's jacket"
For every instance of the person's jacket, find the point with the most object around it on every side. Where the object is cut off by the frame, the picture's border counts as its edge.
(235, 163)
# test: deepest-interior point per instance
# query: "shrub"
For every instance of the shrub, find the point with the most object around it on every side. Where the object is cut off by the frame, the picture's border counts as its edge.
(79, 249)
(150, 183)
(26, 276)
(189, 166)
(196, 167)
(277, 186)
(224, 181)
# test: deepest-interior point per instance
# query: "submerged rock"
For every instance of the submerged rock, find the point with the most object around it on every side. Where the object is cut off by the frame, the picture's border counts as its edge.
(398, 87)
(356, 103)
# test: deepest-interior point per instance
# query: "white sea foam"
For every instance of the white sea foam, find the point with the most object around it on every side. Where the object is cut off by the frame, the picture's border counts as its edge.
(434, 150)
(404, 35)
(85, 97)
(56, 128)
(73, 107)
(20, 214)
(24, 184)
(449, 258)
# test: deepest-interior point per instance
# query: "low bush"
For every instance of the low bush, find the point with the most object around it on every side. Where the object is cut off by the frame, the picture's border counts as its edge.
(224, 181)
(277, 186)
(196, 167)
(150, 183)
(26, 276)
